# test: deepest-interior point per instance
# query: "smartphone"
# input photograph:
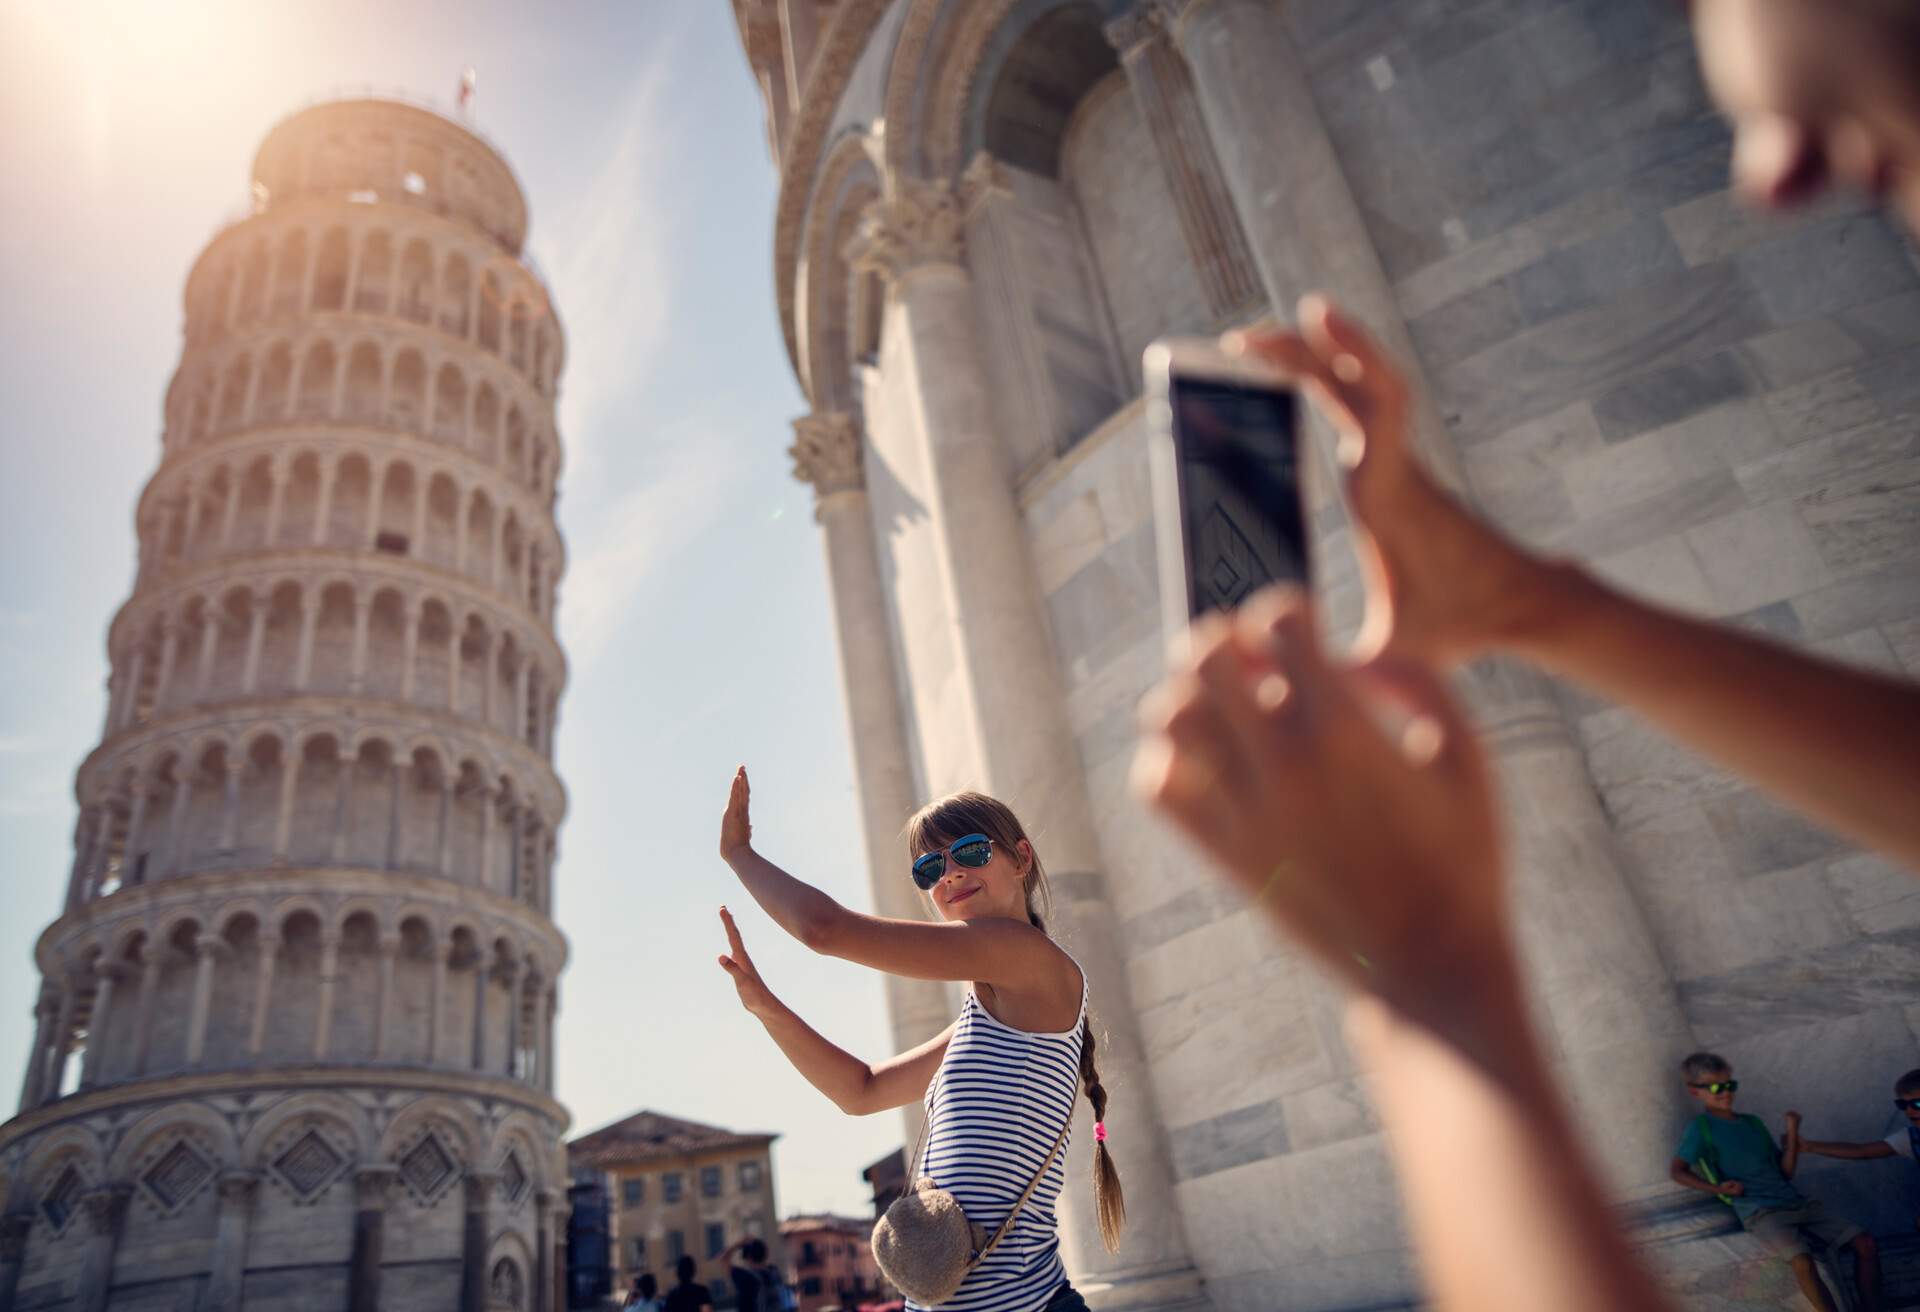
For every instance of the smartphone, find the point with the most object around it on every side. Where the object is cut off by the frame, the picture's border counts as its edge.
(1225, 464)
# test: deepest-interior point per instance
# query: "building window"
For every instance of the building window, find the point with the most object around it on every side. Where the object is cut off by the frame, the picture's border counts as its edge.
(710, 1181)
(810, 1286)
(633, 1192)
(809, 1256)
(676, 1246)
(640, 1250)
(749, 1175)
(716, 1239)
(670, 1186)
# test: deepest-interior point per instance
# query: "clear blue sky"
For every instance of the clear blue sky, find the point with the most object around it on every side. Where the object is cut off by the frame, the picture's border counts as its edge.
(695, 609)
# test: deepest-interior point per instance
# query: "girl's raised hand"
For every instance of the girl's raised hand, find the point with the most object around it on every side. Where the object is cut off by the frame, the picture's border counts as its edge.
(755, 996)
(736, 829)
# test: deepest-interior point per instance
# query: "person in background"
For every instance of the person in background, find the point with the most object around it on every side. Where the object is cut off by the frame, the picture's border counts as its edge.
(1735, 1158)
(645, 1294)
(748, 1280)
(1903, 1142)
(689, 1295)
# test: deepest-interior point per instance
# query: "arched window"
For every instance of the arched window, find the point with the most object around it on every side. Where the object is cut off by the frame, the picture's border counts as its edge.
(407, 404)
(517, 315)
(455, 290)
(316, 382)
(490, 313)
(276, 381)
(376, 275)
(365, 385)
(233, 395)
(330, 272)
(449, 406)
(290, 277)
(416, 283)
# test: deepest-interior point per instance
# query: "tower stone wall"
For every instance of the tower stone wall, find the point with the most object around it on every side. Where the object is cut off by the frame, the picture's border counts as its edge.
(295, 1031)
(986, 209)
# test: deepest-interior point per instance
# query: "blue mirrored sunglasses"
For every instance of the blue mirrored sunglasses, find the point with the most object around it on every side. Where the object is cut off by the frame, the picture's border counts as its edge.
(973, 851)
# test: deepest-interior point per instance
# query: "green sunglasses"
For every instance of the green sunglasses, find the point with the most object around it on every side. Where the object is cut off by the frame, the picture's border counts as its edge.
(1719, 1086)
(973, 851)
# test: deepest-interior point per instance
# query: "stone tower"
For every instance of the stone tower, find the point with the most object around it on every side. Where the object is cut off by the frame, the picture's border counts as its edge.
(295, 1034)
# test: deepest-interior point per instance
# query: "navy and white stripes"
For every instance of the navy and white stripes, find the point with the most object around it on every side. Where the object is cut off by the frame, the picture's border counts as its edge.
(994, 1110)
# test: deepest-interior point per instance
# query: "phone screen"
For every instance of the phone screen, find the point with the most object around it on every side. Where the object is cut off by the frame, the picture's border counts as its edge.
(1239, 469)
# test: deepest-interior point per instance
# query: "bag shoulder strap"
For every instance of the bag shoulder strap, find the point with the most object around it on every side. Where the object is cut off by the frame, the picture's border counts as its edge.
(1032, 1184)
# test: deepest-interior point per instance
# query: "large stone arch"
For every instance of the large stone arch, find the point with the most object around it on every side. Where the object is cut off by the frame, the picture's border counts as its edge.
(849, 180)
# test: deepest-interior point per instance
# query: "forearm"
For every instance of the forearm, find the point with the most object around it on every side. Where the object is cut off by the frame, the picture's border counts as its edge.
(797, 907)
(1853, 1152)
(1790, 1158)
(1687, 1179)
(1837, 743)
(843, 1077)
(1484, 1083)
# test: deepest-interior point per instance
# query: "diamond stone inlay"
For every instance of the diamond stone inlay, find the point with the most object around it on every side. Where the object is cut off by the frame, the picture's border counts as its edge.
(62, 1199)
(427, 1168)
(178, 1176)
(513, 1178)
(309, 1164)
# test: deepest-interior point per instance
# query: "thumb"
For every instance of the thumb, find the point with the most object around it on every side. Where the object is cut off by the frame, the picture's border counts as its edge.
(1416, 690)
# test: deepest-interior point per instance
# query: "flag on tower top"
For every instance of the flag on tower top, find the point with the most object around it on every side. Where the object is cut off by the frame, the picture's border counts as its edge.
(468, 76)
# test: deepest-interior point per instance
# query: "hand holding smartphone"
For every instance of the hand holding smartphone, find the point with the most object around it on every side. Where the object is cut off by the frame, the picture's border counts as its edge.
(1225, 460)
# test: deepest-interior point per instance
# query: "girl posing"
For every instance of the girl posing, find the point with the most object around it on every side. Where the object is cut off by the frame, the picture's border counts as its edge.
(998, 1084)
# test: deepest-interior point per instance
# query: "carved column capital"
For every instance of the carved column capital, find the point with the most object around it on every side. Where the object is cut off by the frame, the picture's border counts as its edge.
(827, 453)
(239, 1188)
(373, 1187)
(916, 225)
(480, 1186)
(984, 177)
(1141, 24)
(107, 1207)
(14, 1229)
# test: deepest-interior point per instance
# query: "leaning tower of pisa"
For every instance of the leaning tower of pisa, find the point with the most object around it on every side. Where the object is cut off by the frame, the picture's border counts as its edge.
(294, 1039)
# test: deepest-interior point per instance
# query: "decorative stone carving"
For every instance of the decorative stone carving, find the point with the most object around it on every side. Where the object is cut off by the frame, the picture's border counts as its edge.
(107, 1208)
(63, 1199)
(1145, 21)
(239, 1188)
(916, 225)
(428, 1169)
(309, 1165)
(480, 1186)
(504, 1287)
(514, 1179)
(373, 1187)
(180, 1173)
(827, 452)
(985, 176)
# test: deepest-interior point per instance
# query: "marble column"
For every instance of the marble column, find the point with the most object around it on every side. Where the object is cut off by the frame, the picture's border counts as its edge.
(1611, 1008)
(15, 1229)
(473, 1242)
(543, 1251)
(828, 452)
(61, 1042)
(209, 948)
(107, 1213)
(389, 948)
(226, 1272)
(372, 1187)
(329, 973)
(143, 1013)
(91, 1069)
(45, 1010)
(269, 959)
(1011, 707)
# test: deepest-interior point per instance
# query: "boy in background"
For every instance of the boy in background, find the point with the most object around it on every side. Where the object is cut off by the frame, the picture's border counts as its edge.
(1903, 1142)
(1735, 1157)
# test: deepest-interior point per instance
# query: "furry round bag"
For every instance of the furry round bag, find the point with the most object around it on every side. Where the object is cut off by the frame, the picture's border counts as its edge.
(926, 1246)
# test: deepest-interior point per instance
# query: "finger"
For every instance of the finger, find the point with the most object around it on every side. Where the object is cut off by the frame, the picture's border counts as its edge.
(1291, 352)
(1439, 734)
(733, 934)
(1372, 385)
(1175, 784)
(1777, 160)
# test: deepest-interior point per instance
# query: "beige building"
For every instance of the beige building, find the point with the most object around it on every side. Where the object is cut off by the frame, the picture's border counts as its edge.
(679, 1188)
(295, 1041)
(830, 1262)
(986, 209)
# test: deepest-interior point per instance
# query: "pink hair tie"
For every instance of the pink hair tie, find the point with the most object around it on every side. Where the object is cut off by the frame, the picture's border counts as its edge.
(1099, 1131)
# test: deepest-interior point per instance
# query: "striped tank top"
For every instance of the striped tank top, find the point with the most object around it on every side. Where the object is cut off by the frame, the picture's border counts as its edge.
(994, 1109)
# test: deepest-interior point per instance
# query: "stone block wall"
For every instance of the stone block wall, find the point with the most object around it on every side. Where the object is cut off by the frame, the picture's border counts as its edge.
(1713, 409)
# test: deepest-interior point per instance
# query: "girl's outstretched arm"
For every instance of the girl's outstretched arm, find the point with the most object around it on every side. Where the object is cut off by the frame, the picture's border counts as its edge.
(999, 952)
(855, 1087)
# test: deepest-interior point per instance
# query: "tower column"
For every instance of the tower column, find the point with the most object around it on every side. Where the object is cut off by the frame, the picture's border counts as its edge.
(208, 948)
(372, 1188)
(389, 948)
(256, 636)
(227, 1269)
(473, 1241)
(829, 453)
(143, 1014)
(94, 1065)
(263, 991)
(34, 1080)
(1017, 739)
(106, 1210)
(329, 973)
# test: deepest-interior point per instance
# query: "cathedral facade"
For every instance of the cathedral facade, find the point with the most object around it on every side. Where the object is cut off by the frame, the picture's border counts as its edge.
(987, 209)
(295, 1032)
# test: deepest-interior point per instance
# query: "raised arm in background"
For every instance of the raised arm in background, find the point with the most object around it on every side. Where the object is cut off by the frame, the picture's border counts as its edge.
(1840, 744)
(1380, 855)
(856, 1087)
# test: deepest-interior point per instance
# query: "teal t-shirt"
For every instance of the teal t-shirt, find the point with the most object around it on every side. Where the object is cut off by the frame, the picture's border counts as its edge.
(1743, 1152)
